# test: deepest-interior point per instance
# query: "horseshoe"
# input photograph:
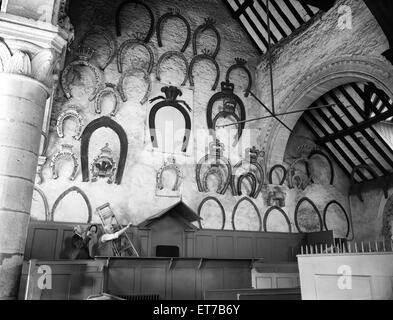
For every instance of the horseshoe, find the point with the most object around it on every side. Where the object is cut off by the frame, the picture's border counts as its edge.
(207, 55)
(72, 112)
(209, 24)
(97, 30)
(254, 183)
(173, 14)
(150, 12)
(129, 44)
(269, 211)
(241, 64)
(219, 204)
(108, 89)
(256, 210)
(168, 55)
(131, 72)
(170, 165)
(65, 153)
(273, 169)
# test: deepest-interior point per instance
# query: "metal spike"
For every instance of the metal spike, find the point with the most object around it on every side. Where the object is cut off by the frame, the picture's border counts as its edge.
(306, 249)
(332, 248)
(349, 248)
(356, 247)
(369, 247)
(384, 245)
(311, 250)
(321, 248)
(327, 248)
(362, 247)
(376, 246)
(301, 250)
(316, 249)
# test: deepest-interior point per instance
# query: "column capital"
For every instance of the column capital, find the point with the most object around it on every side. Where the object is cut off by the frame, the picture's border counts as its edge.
(34, 39)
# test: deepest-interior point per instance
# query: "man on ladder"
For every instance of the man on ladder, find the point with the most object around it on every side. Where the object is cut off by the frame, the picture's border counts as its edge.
(110, 243)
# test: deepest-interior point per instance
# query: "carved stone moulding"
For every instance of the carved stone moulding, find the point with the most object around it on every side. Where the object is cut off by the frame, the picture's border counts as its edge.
(269, 212)
(206, 55)
(42, 66)
(241, 64)
(325, 213)
(67, 192)
(170, 100)
(223, 214)
(104, 122)
(255, 208)
(130, 44)
(173, 14)
(208, 24)
(218, 166)
(146, 7)
(104, 166)
(65, 153)
(169, 165)
(83, 58)
(42, 158)
(71, 112)
(232, 107)
(316, 211)
(108, 89)
(131, 72)
(168, 55)
(256, 176)
(111, 43)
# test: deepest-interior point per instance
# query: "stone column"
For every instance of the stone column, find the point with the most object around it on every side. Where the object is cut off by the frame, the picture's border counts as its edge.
(31, 56)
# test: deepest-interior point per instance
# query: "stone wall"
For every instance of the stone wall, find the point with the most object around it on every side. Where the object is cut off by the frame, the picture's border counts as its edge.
(135, 199)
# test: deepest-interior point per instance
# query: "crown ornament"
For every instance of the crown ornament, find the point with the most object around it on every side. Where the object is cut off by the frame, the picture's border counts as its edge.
(171, 93)
(216, 148)
(85, 53)
(207, 52)
(240, 61)
(227, 87)
(174, 11)
(253, 154)
(209, 22)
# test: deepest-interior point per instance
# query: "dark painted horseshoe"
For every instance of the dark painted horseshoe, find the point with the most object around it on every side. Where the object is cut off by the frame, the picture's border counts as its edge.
(273, 169)
(234, 103)
(131, 72)
(97, 30)
(169, 165)
(209, 24)
(343, 210)
(84, 196)
(321, 154)
(315, 209)
(267, 214)
(173, 14)
(170, 101)
(219, 204)
(256, 210)
(259, 182)
(170, 54)
(213, 171)
(130, 44)
(241, 64)
(205, 56)
(151, 14)
(254, 184)
(104, 122)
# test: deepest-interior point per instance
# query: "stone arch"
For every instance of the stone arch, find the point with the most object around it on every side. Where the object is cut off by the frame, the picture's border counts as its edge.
(316, 83)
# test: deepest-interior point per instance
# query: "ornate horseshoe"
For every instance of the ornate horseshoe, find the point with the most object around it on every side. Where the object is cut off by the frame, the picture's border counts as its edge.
(213, 171)
(219, 204)
(131, 72)
(129, 44)
(209, 24)
(215, 154)
(168, 55)
(151, 14)
(273, 169)
(72, 112)
(253, 155)
(225, 115)
(319, 153)
(109, 89)
(173, 14)
(65, 153)
(359, 187)
(267, 214)
(48, 217)
(256, 210)
(82, 60)
(254, 184)
(169, 165)
(241, 64)
(343, 210)
(315, 209)
(84, 196)
(170, 101)
(206, 55)
(97, 30)
(232, 104)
